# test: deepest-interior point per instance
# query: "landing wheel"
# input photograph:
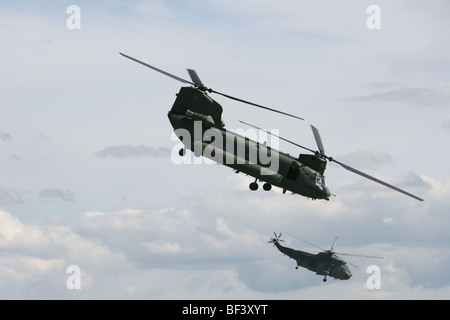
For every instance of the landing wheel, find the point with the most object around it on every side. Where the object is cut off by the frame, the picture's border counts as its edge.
(324, 279)
(253, 186)
(182, 152)
(296, 267)
(267, 186)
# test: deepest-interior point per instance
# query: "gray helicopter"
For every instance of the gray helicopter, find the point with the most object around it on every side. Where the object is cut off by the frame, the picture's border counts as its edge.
(325, 263)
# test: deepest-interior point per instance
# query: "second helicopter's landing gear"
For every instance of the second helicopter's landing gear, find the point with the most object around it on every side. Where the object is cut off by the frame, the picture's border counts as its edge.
(267, 186)
(296, 267)
(253, 186)
(325, 279)
(182, 152)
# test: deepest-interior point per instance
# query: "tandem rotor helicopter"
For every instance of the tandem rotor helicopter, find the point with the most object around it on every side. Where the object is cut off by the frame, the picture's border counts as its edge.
(197, 121)
(325, 263)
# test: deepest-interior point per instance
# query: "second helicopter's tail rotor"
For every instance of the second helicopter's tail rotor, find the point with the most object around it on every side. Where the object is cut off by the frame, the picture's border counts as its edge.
(276, 239)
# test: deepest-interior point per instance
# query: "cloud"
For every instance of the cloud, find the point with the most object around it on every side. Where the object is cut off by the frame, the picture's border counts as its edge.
(420, 97)
(179, 253)
(127, 151)
(445, 124)
(8, 196)
(57, 194)
(366, 159)
(5, 137)
(36, 258)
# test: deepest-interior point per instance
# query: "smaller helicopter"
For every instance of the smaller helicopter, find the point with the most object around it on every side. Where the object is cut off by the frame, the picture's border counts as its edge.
(325, 263)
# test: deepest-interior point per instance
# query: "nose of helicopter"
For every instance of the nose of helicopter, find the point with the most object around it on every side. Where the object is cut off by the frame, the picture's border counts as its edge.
(327, 192)
(347, 274)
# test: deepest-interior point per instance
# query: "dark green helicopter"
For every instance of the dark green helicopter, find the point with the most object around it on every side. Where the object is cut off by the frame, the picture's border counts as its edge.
(325, 263)
(197, 122)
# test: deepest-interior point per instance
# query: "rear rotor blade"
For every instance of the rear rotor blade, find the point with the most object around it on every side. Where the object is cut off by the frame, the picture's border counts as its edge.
(255, 104)
(158, 70)
(276, 136)
(198, 84)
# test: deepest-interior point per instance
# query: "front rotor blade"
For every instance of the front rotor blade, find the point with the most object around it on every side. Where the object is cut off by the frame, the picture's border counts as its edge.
(318, 139)
(158, 70)
(256, 105)
(377, 180)
(195, 78)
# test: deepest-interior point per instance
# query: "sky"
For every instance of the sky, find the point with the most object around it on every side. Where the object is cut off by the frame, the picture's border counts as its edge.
(87, 171)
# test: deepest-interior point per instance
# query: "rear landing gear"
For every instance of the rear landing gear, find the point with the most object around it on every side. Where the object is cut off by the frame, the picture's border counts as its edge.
(325, 279)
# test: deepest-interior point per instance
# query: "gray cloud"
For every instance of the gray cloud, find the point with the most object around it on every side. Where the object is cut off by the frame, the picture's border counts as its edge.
(9, 196)
(366, 159)
(384, 85)
(5, 137)
(57, 194)
(420, 97)
(446, 124)
(127, 151)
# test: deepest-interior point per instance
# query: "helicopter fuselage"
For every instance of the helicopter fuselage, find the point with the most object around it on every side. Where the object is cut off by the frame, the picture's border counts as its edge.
(322, 263)
(196, 120)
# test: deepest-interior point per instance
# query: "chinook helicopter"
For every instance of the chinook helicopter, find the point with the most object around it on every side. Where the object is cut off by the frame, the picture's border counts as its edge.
(197, 122)
(325, 263)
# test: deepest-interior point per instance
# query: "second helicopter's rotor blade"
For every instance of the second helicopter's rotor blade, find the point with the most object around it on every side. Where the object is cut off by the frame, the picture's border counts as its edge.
(276, 136)
(158, 70)
(305, 241)
(358, 255)
(365, 175)
(334, 243)
(255, 104)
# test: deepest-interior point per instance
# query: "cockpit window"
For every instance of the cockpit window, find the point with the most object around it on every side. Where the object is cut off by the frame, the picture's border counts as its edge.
(319, 181)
